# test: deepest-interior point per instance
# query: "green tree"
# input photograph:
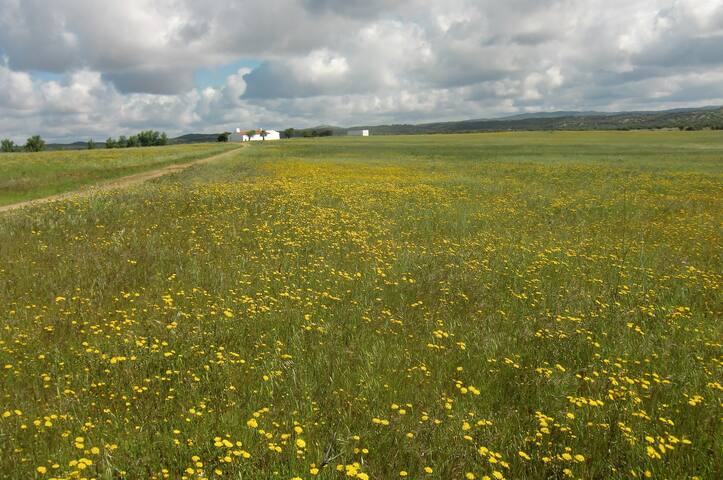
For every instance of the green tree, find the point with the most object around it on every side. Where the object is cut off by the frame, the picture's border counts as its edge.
(152, 138)
(7, 145)
(289, 133)
(35, 144)
(146, 138)
(91, 144)
(133, 141)
(223, 137)
(251, 133)
(263, 134)
(122, 142)
(110, 143)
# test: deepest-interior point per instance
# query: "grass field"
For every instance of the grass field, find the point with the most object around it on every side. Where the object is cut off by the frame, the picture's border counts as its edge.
(26, 176)
(517, 305)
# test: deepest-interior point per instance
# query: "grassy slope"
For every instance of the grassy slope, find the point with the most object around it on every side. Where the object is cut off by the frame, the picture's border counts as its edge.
(25, 176)
(405, 302)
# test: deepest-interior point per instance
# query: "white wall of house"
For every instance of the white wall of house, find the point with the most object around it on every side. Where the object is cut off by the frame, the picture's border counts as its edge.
(270, 135)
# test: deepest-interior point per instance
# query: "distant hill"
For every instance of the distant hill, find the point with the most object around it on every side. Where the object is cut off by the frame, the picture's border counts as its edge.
(183, 139)
(70, 146)
(592, 113)
(195, 138)
(561, 114)
(684, 119)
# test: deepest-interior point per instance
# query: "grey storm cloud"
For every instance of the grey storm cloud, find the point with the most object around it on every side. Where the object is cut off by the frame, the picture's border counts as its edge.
(355, 8)
(118, 66)
(152, 81)
(276, 80)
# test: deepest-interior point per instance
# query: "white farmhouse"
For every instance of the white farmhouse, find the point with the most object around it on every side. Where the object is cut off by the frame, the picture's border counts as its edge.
(239, 136)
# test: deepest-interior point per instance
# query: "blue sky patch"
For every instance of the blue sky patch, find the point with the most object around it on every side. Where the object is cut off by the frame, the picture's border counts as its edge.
(216, 76)
(48, 76)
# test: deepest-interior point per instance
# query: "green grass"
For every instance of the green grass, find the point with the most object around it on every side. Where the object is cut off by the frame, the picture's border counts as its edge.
(551, 294)
(26, 176)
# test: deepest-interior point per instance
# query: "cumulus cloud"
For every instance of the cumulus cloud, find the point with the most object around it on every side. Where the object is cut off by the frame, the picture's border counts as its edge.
(321, 71)
(82, 68)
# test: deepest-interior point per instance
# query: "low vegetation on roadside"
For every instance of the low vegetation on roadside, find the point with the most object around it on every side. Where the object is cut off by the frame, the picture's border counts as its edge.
(26, 176)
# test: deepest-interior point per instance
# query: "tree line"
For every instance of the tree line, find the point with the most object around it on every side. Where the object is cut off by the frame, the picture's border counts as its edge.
(146, 138)
(32, 144)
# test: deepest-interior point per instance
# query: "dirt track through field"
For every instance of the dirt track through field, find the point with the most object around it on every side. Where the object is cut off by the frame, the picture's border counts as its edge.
(115, 184)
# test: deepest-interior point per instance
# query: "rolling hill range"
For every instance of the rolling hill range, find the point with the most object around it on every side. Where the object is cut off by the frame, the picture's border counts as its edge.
(693, 119)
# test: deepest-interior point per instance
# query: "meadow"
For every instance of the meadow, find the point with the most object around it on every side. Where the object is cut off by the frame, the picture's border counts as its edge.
(482, 306)
(26, 176)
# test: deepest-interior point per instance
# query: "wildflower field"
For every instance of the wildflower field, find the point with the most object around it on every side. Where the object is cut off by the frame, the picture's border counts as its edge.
(513, 305)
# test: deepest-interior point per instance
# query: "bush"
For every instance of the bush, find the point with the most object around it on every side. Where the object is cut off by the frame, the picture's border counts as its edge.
(7, 145)
(35, 144)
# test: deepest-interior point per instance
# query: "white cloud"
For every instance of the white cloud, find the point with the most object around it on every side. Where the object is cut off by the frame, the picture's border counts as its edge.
(129, 65)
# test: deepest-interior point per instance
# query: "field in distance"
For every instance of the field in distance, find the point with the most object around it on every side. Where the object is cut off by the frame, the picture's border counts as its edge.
(517, 305)
(26, 176)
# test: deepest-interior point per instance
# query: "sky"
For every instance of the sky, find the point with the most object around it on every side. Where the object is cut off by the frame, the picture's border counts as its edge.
(79, 69)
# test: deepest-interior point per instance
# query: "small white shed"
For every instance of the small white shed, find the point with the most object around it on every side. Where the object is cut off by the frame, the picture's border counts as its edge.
(358, 133)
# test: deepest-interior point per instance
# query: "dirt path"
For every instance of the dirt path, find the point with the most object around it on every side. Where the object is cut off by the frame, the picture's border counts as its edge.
(115, 184)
